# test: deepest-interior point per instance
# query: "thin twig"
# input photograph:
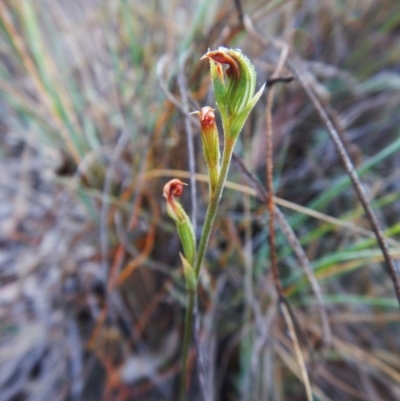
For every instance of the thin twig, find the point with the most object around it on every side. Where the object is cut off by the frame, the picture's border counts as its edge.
(296, 67)
(190, 143)
(276, 79)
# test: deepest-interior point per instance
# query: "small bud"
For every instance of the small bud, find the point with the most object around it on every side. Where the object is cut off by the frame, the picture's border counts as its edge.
(173, 189)
(190, 275)
(210, 141)
(234, 91)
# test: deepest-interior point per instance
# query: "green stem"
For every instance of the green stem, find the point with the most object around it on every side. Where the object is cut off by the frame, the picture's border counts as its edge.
(213, 205)
(187, 336)
(213, 174)
(215, 198)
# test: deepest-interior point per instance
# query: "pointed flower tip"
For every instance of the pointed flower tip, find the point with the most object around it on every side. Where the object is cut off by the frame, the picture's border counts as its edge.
(205, 55)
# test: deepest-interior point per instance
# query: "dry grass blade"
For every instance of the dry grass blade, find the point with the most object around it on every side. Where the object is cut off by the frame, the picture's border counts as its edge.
(297, 349)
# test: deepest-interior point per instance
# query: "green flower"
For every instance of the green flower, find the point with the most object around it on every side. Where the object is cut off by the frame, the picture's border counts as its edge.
(233, 88)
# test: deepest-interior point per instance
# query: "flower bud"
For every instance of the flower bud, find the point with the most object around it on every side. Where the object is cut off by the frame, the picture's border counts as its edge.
(173, 189)
(210, 141)
(234, 88)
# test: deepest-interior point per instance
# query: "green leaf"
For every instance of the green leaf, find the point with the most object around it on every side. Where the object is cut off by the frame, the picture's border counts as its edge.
(240, 119)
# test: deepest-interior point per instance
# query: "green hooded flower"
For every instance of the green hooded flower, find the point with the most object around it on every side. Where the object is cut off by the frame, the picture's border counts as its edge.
(234, 87)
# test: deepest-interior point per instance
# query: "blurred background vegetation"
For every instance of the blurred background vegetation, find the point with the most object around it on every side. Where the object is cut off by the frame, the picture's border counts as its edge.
(94, 96)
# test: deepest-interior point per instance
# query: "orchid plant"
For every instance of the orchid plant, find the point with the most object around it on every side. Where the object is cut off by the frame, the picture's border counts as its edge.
(234, 91)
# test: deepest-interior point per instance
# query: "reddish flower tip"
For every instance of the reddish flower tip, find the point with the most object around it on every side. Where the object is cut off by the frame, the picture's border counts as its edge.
(173, 188)
(207, 117)
(225, 56)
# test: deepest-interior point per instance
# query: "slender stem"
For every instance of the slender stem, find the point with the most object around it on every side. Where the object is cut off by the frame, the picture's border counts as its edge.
(213, 174)
(187, 336)
(215, 198)
(214, 203)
